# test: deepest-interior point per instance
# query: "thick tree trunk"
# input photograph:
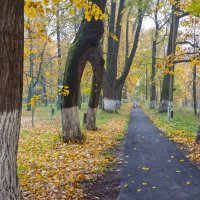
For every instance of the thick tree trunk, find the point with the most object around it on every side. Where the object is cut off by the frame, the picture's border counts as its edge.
(164, 101)
(91, 119)
(101, 102)
(112, 57)
(11, 84)
(97, 62)
(87, 39)
(71, 124)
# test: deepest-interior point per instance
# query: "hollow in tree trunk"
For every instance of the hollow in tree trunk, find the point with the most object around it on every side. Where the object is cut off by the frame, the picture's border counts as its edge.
(11, 84)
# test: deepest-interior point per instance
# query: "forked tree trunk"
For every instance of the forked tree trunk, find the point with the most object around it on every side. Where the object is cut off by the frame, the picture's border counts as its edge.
(97, 62)
(109, 94)
(86, 41)
(121, 80)
(11, 83)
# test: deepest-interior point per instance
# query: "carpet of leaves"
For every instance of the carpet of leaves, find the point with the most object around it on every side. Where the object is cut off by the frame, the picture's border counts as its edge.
(184, 138)
(50, 169)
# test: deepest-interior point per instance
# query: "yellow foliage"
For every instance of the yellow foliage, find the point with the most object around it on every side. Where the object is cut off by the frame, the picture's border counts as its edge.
(50, 169)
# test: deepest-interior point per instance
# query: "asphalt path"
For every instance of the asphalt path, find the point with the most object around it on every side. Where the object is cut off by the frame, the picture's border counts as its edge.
(153, 167)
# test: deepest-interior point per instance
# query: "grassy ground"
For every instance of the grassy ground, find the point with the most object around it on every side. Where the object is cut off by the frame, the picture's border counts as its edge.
(50, 169)
(182, 129)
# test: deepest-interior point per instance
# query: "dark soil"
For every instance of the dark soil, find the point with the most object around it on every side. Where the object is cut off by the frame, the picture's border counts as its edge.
(106, 186)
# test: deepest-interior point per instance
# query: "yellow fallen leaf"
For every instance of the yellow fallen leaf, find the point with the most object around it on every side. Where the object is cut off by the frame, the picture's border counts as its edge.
(139, 190)
(145, 168)
(188, 183)
(144, 183)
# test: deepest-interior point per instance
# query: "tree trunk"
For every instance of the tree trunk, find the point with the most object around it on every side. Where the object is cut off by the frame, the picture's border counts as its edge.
(198, 134)
(194, 89)
(154, 54)
(59, 81)
(87, 39)
(97, 62)
(31, 86)
(164, 101)
(44, 91)
(112, 57)
(11, 84)
(120, 81)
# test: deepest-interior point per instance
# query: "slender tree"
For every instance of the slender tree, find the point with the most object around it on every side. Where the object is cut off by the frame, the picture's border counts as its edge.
(11, 82)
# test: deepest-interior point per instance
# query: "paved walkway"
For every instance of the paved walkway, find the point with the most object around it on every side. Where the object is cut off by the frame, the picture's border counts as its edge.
(153, 168)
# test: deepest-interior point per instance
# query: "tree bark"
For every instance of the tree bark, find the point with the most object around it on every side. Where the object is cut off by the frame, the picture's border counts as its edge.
(153, 65)
(198, 134)
(11, 84)
(164, 101)
(194, 89)
(97, 62)
(31, 87)
(120, 82)
(87, 39)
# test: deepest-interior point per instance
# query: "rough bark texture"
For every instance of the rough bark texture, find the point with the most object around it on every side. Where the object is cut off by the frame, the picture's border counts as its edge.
(87, 39)
(91, 119)
(110, 105)
(153, 65)
(163, 105)
(11, 82)
(112, 52)
(71, 124)
(97, 62)
(170, 50)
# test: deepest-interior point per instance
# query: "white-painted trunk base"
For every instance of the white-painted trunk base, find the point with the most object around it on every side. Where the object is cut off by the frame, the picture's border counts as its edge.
(110, 105)
(153, 104)
(163, 106)
(170, 110)
(9, 136)
(91, 119)
(71, 125)
(118, 104)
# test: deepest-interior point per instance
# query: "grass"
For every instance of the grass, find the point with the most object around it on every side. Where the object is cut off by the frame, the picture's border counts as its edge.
(51, 169)
(184, 120)
(182, 129)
